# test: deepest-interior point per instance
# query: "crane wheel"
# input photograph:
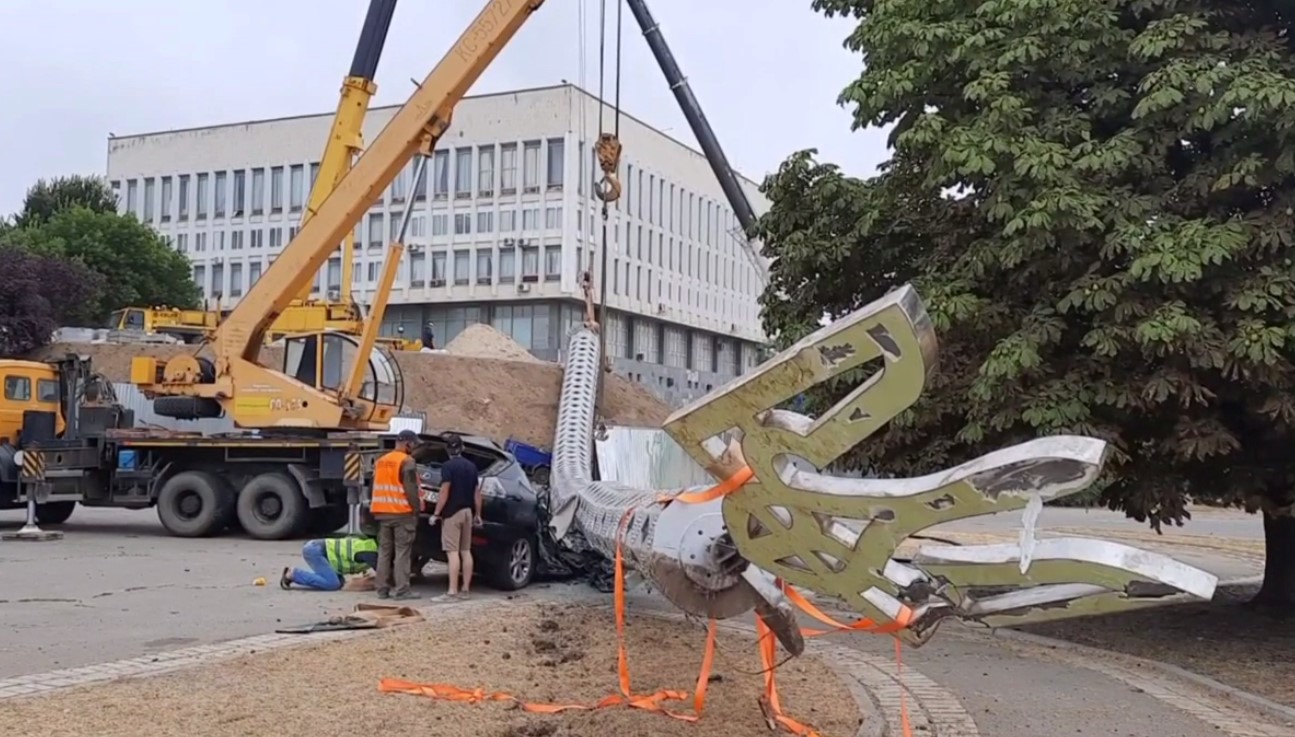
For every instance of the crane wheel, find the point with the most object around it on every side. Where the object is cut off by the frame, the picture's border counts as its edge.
(54, 513)
(272, 507)
(187, 408)
(195, 504)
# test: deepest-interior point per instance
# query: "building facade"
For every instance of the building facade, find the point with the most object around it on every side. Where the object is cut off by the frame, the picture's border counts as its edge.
(501, 227)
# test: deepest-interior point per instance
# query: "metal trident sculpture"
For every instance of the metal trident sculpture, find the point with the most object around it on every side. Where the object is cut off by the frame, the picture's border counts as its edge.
(838, 536)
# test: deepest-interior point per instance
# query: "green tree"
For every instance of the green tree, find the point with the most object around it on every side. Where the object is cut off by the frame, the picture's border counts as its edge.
(1100, 198)
(137, 265)
(45, 199)
(30, 310)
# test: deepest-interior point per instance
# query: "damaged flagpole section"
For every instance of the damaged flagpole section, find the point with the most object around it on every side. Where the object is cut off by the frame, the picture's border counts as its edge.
(838, 536)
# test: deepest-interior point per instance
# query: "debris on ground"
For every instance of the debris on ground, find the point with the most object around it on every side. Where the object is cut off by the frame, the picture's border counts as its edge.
(493, 397)
(540, 652)
(483, 341)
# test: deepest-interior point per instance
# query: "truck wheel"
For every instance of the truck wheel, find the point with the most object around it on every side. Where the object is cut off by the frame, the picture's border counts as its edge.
(515, 567)
(194, 504)
(54, 513)
(272, 507)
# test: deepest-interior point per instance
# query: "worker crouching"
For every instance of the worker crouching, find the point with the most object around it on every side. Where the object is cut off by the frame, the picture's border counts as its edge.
(330, 561)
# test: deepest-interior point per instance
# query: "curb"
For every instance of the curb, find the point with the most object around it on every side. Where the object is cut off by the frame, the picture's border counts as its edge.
(1271, 708)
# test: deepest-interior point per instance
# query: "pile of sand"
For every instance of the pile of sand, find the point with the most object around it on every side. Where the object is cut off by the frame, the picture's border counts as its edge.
(542, 653)
(497, 398)
(483, 341)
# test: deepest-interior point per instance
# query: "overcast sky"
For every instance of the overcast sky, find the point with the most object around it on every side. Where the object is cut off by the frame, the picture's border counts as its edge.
(767, 72)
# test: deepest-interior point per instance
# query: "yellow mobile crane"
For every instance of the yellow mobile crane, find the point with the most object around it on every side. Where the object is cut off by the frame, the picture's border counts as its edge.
(345, 141)
(312, 417)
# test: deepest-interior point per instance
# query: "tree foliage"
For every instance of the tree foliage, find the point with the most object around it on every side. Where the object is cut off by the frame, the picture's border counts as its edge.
(1096, 198)
(38, 294)
(138, 266)
(45, 199)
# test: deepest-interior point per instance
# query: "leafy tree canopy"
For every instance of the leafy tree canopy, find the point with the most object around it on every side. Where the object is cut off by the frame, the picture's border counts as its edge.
(47, 198)
(1096, 198)
(137, 265)
(30, 310)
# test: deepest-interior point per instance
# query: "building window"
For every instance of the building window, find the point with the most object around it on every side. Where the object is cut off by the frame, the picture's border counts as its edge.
(485, 222)
(462, 173)
(203, 197)
(531, 167)
(462, 223)
(221, 187)
(438, 269)
(236, 240)
(240, 192)
(462, 267)
(132, 197)
(357, 272)
(165, 207)
(440, 224)
(375, 230)
(182, 242)
(616, 276)
(556, 163)
(507, 221)
(420, 186)
(440, 174)
(200, 277)
(258, 191)
(150, 195)
(254, 273)
(552, 263)
(531, 219)
(393, 233)
(258, 238)
(314, 173)
(400, 185)
(276, 189)
(236, 280)
(297, 187)
(199, 242)
(553, 218)
(182, 207)
(486, 171)
(530, 264)
(276, 238)
(217, 281)
(484, 263)
(373, 271)
(418, 268)
(508, 168)
(507, 266)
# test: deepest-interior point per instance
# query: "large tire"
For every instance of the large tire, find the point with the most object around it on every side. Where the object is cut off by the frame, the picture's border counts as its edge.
(515, 567)
(54, 513)
(195, 504)
(272, 507)
(325, 520)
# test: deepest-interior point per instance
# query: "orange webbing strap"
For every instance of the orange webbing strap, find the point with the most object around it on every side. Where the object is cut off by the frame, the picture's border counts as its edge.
(723, 488)
(770, 703)
(652, 702)
(903, 620)
(646, 702)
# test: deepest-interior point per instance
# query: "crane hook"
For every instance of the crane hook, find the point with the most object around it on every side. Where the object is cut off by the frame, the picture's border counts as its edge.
(608, 149)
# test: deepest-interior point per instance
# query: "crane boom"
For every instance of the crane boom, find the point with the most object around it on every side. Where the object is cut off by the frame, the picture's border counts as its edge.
(426, 114)
(346, 135)
(700, 126)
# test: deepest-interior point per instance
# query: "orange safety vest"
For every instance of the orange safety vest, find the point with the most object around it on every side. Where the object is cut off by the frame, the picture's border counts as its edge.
(388, 491)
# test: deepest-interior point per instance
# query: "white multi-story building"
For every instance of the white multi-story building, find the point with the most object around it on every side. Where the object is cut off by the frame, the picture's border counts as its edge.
(503, 223)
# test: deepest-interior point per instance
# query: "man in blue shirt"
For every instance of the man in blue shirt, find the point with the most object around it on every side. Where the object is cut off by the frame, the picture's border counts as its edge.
(458, 509)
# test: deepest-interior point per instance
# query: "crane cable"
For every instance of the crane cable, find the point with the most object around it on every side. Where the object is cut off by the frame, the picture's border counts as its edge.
(608, 151)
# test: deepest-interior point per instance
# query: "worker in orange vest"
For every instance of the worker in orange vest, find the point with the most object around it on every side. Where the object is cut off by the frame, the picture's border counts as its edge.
(395, 505)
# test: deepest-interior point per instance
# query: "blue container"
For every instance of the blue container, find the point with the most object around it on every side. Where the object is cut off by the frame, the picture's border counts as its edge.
(127, 460)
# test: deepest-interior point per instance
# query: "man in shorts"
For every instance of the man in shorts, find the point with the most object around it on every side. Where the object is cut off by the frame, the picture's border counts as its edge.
(458, 510)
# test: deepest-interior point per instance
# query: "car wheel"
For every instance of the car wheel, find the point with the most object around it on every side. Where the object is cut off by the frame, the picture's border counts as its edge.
(516, 566)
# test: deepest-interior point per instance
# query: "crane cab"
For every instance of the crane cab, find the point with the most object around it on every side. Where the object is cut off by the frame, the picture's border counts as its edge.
(27, 386)
(324, 360)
